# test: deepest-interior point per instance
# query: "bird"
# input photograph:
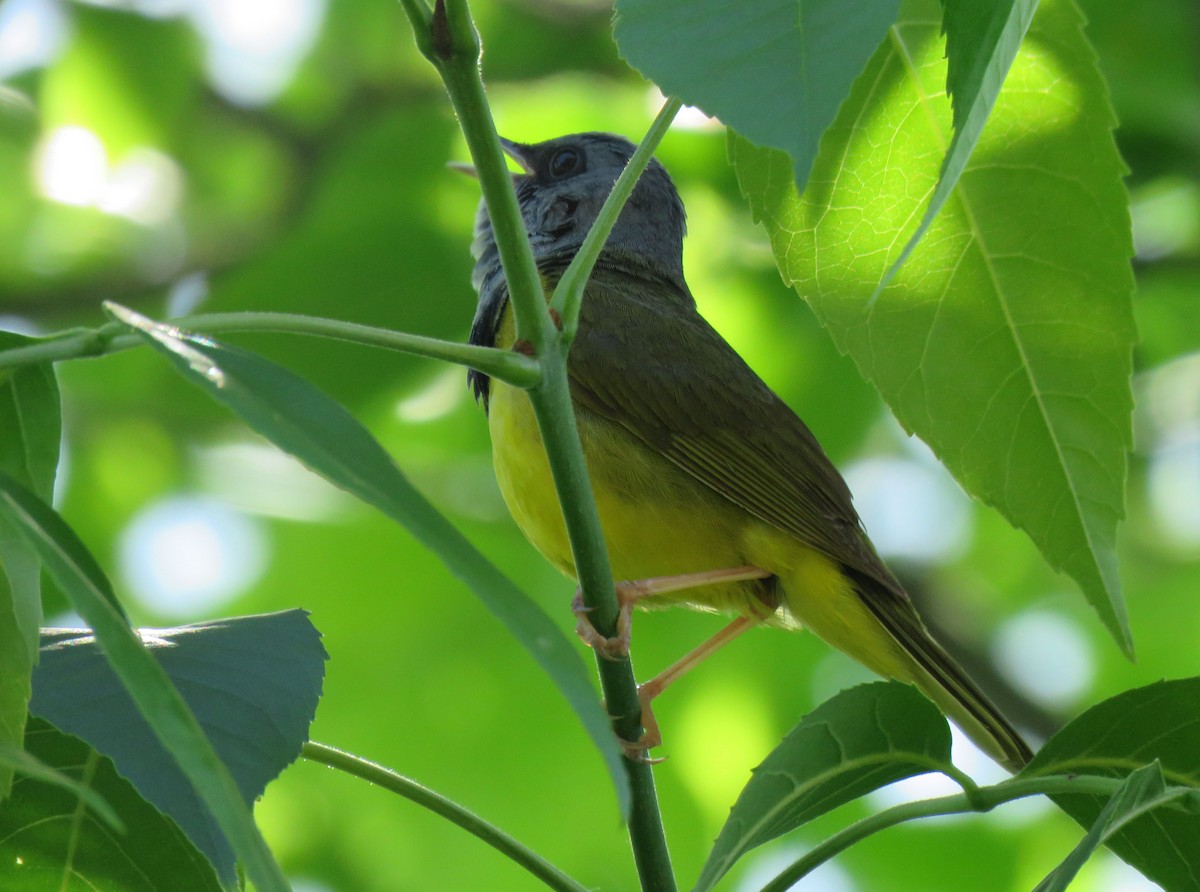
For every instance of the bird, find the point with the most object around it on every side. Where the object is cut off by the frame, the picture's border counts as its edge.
(711, 491)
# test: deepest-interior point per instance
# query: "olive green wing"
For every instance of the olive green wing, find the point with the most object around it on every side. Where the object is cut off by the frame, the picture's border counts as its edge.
(644, 358)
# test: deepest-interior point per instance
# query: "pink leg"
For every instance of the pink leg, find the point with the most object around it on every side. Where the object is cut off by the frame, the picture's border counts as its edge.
(655, 686)
(630, 592)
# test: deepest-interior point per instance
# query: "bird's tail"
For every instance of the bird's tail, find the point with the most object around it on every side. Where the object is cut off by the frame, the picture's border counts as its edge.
(944, 682)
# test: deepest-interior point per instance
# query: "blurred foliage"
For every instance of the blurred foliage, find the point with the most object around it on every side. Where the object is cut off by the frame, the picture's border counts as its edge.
(330, 196)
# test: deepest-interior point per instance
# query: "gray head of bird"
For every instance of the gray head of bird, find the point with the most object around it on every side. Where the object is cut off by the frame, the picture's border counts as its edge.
(561, 188)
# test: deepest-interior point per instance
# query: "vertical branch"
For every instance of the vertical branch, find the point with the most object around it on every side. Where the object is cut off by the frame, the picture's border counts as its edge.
(447, 37)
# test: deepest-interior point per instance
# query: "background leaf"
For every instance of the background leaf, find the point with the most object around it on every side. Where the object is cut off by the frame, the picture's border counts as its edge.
(307, 424)
(252, 682)
(1006, 340)
(858, 741)
(1157, 723)
(48, 840)
(77, 572)
(775, 71)
(30, 432)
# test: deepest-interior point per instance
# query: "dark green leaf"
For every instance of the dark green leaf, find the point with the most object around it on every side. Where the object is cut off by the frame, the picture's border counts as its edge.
(252, 682)
(79, 576)
(860, 740)
(1005, 342)
(1159, 723)
(303, 422)
(30, 431)
(775, 71)
(1143, 791)
(49, 841)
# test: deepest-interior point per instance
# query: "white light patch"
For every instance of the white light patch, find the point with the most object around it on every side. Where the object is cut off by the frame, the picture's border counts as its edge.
(253, 49)
(1111, 874)
(967, 757)
(911, 509)
(145, 187)
(31, 34)
(688, 118)
(184, 556)
(1044, 657)
(1174, 482)
(767, 865)
(71, 166)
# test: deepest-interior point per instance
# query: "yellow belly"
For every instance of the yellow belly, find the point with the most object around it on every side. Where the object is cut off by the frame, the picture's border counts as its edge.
(660, 521)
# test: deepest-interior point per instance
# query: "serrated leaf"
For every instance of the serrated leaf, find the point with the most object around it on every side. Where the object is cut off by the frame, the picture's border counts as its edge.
(1158, 723)
(1005, 342)
(30, 432)
(48, 841)
(307, 424)
(858, 741)
(252, 682)
(775, 71)
(1143, 791)
(982, 40)
(79, 576)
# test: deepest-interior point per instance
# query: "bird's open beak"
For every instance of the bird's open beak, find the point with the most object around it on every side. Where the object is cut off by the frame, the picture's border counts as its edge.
(516, 151)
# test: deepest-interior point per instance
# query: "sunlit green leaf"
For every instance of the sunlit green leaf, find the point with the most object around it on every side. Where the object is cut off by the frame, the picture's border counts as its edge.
(49, 840)
(1005, 341)
(982, 40)
(252, 683)
(1159, 723)
(304, 422)
(858, 741)
(775, 71)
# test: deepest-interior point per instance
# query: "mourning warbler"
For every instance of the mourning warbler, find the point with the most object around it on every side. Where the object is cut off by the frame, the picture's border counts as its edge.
(695, 463)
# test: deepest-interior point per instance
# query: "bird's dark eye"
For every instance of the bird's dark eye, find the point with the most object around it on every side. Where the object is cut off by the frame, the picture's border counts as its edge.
(564, 162)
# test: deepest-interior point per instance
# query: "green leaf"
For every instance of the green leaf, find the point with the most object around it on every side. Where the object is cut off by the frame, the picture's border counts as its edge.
(982, 40)
(775, 71)
(28, 765)
(30, 432)
(252, 682)
(305, 423)
(862, 739)
(1005, 342)
(79, 576)
(1142, 792)
(1158, 723)
(49, 840)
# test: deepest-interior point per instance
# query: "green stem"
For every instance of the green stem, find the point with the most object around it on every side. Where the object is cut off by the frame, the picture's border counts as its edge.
(455, 53)
(568, 295)
(513, 368)
(459, 68)
(981, 799)
(440, 805)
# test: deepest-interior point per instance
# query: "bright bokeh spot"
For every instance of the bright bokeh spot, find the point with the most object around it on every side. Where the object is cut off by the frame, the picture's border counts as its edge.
(31, 33)
(1044, 656)
(184, 556)
(768, 864)
(912, 509)
(253, 49)
(71, 166)
(145, 187)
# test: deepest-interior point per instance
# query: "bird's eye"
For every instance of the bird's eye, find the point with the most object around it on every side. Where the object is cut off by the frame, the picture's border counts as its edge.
(564, 162)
